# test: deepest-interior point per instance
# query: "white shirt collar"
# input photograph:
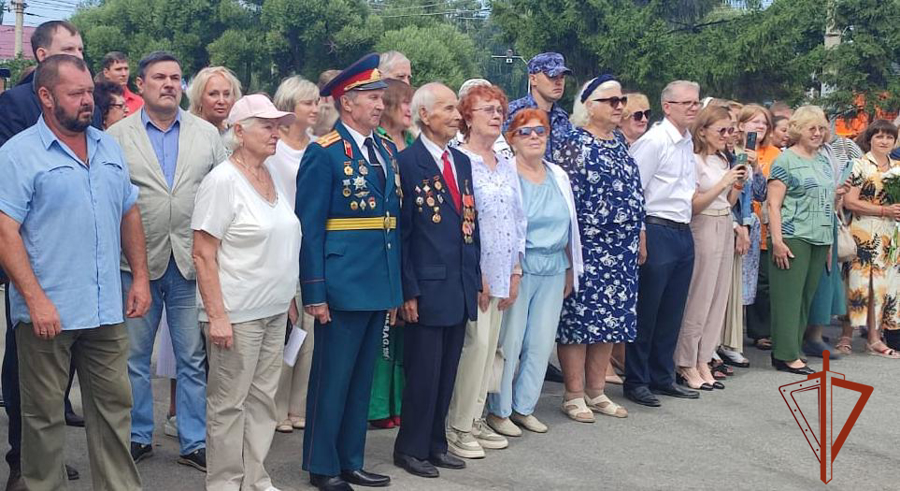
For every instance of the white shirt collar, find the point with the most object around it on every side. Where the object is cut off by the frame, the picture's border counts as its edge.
(672, 132)
(359, 138)
(436, 151)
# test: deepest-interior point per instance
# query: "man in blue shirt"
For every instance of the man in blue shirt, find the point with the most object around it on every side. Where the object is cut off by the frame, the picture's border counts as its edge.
(547, 79)
(67, 213)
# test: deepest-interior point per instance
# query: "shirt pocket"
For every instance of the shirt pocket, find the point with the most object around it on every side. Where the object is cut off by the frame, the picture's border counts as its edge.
(112, 179)
(61, 181)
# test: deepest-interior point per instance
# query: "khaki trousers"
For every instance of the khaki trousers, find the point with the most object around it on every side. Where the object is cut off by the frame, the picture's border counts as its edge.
(101, 361)
(733, 337)
(704, 312)
(291, 396)
(240, 404)
(475, 366)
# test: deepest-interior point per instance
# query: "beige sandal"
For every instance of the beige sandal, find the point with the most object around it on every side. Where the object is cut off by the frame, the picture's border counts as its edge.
(576, 410)
(603, 405)
(883, 351)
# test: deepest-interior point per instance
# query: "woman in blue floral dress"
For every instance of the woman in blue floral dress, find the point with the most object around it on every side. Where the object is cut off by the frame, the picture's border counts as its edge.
(610, 208)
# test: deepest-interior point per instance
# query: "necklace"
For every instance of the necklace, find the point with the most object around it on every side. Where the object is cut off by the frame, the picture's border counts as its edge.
(259, 177)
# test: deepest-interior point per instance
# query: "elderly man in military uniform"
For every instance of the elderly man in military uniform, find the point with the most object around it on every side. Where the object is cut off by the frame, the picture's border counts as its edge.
(348, 200)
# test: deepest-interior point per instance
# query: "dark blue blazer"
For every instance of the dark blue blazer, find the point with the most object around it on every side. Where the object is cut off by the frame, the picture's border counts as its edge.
(440, 260)
(19, 109)
(355, 270)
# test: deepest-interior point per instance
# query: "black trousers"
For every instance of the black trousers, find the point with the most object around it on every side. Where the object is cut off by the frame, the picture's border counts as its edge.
(663, 286)
(430, 359)
(758, 313)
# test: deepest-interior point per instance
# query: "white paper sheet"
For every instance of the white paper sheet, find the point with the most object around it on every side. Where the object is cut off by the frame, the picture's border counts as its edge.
(292, 348)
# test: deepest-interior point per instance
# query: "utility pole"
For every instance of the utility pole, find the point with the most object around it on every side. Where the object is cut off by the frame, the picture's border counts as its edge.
(19, 7)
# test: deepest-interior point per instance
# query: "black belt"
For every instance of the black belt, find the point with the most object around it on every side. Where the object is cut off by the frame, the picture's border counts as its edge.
(664, 222)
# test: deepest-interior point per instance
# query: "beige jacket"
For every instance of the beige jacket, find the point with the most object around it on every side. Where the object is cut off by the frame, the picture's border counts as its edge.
(166, 213)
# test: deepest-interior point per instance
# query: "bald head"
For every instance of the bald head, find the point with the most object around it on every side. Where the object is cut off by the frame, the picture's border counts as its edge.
(435, 113)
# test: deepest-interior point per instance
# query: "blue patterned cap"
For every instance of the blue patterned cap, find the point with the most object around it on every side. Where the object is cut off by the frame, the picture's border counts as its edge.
(550, 63)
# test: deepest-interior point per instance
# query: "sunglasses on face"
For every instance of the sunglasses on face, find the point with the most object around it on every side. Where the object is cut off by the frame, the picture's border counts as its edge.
(727, 130)
(613, 101)
(639, 115)
(527, 130)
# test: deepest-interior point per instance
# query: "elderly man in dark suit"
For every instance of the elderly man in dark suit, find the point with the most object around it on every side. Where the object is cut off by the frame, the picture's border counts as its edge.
(441, 278)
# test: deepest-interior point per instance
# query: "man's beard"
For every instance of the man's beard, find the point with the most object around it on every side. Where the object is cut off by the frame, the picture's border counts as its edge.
(73, 124)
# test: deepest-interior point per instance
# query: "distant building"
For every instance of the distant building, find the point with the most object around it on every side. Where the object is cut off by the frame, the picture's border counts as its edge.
(8, 42)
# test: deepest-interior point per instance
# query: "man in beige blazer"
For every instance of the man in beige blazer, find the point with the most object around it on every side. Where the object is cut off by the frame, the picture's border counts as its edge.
(168, 151)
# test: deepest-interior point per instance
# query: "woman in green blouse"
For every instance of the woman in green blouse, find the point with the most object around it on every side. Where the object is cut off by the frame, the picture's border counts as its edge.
(801, 194)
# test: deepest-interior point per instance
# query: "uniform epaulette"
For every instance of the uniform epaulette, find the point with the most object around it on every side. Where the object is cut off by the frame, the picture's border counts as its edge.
(329, 139)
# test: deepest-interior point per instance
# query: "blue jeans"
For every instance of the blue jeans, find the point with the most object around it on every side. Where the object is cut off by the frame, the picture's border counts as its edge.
(527, 336)
(179, 297)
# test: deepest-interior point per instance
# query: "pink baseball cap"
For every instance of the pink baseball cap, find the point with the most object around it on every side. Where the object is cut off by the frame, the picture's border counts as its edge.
(257, 106)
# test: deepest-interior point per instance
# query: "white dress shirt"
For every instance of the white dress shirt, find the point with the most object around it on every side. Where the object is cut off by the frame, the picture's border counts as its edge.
(438, 152)
(361, 145)
(665, 158)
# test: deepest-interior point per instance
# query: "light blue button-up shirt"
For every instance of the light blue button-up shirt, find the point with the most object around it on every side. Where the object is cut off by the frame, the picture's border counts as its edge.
(70, 216)
(165, 144)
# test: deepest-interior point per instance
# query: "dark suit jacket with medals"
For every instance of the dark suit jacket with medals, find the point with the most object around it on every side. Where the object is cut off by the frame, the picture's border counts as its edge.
(440, 244)
(354, 270)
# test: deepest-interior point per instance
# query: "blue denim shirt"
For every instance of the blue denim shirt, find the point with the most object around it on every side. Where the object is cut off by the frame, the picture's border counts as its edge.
(70, 217)
(560, 126)
(165, 144)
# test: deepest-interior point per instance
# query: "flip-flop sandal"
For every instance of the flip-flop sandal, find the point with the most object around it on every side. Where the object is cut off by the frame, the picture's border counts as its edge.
(722, 368)
(882, 352)
(844, 345)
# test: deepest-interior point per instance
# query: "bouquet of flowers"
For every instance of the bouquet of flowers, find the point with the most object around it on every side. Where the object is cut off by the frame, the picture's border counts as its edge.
(890, 181)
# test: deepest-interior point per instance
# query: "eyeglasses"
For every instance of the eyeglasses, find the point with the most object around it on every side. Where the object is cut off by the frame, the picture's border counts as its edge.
(690, 104)
(639, 115)
(527, 130)
(613, 101)
(490, 110)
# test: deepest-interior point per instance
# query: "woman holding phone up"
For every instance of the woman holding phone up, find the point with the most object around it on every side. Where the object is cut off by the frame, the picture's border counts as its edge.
(718, 188)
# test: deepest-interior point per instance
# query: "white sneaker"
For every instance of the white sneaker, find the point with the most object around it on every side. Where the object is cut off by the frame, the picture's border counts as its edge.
(529, 422)
(487, 437)
(272, 488)
(463, 444)
(171, 427)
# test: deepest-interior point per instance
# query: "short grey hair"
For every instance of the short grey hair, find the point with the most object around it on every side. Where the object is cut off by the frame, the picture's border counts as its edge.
(292, 91)
(230, 138)
(198, 85)
(423, 99)
(388, 59)
(580, 115)
(352, 95)
(471, 84)
(669, 90)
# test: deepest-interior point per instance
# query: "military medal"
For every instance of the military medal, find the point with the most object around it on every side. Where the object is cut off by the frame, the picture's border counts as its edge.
(363, 169)
(362, 204)
(346, 192)
(348, 149)
(359, 182)
(430, 201)
(420, 200)
(372, 202)
(353, 205)
(348, 171)
(397, 179)
(441, 198)
(436, 218)
(437, 184)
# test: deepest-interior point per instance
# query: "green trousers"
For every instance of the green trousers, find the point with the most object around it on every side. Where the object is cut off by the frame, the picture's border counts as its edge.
(388, 379)
(791, 293)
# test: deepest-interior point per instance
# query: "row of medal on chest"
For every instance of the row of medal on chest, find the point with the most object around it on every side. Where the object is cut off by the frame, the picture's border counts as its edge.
(360, 188)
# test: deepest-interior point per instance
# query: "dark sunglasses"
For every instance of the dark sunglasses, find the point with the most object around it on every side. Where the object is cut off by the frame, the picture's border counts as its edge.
(526, 130)
(639, 115)
(727, 130)
(613, 101)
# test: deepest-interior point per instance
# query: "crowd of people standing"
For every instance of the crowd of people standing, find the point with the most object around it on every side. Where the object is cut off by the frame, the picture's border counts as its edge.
(434, 247)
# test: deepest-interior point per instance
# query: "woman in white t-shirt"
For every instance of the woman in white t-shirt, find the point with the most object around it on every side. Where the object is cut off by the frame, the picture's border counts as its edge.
(301, 97)
(246, 250)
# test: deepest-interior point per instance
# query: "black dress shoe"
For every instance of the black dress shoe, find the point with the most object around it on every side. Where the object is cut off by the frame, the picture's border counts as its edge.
(782, 366)
(140, 451)
(71, 473)
(328, 483)
(414, 466)
(553, 374)
(364, 478)
(680, 380)
(676, 391)
(717, 385)
(447, 461)
(75, 420)
(642, 396)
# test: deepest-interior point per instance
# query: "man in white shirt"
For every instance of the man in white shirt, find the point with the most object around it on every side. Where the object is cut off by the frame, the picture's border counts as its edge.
(665, 156)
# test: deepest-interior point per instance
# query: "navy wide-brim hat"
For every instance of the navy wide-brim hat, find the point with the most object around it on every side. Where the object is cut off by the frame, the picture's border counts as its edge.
(362, 75)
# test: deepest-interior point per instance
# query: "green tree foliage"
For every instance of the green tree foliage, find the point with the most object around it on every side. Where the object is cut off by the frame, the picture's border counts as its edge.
(438, 53)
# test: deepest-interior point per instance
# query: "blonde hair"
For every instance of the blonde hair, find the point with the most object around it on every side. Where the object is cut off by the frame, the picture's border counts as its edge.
(292, 91)
(198, 85)
(635, 100)
(580, 115)
(803, 117)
